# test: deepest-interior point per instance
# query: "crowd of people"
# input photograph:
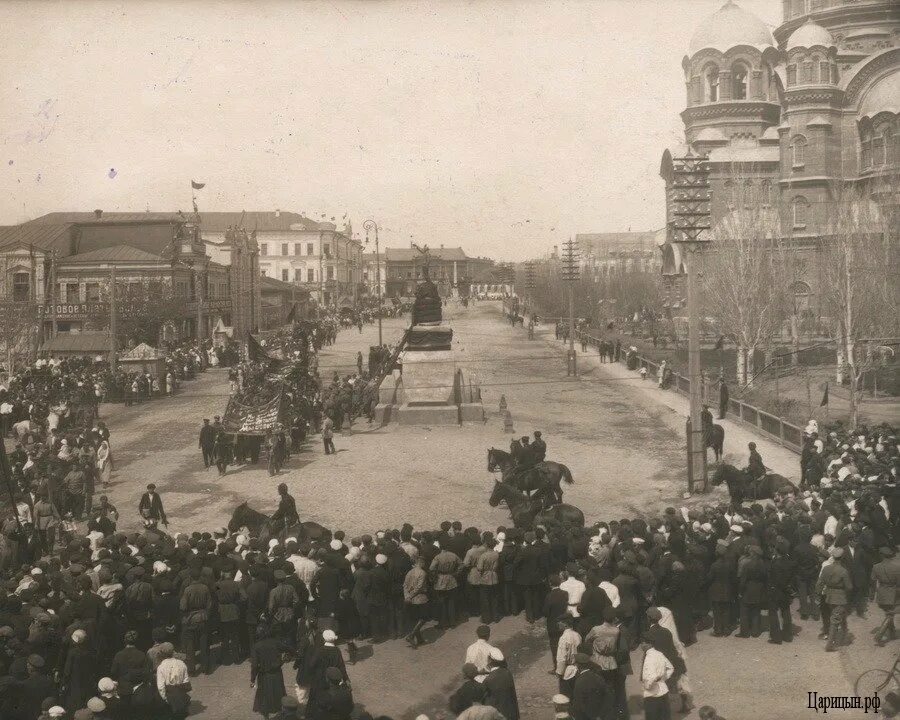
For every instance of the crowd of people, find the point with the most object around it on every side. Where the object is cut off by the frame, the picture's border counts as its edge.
(97, 623)
(602, 592)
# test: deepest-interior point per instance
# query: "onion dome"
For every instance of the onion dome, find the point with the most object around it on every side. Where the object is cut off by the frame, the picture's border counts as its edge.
(810, 35)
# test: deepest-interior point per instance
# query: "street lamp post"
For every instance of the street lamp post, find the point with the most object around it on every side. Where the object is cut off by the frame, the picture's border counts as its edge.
(371, 225)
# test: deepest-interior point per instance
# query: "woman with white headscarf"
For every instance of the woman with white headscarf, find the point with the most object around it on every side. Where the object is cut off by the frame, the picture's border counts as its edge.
(683, 684)
(104, 463)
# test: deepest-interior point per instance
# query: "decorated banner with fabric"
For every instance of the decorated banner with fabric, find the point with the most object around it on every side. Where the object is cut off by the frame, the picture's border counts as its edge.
(254, 419)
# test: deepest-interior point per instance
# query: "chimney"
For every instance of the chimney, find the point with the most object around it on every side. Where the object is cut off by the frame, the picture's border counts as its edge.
(98, 214)
(277, 212)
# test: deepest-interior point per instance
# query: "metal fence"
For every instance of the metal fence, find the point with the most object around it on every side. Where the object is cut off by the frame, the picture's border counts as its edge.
(772, 426)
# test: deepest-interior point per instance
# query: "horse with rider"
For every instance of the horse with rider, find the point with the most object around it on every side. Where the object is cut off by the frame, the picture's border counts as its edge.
(524, 467)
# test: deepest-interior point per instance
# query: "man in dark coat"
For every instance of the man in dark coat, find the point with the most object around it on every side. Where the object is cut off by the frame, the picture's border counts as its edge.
(755, 465)
(325, 657)
(37, 686)
(152, 504)
(286, 514)
(265, 673)
(195, 605)
(337, 701)
(467, 693)
(539, 447)
(531, 576)
(592, 698)
(207, 442)
(556, 605)
(782, 571)
(500, 688)
(723, 398)
(751, 587)
(721, 591)
(128, 659)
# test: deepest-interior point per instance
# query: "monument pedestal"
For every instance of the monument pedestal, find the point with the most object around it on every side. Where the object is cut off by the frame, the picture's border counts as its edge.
(431, 389)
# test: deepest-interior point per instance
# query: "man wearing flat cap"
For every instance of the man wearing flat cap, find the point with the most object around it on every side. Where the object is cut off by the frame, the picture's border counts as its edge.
(834, 587)
(283, 602)
(151, 507)
(592, 698)
(37, 686)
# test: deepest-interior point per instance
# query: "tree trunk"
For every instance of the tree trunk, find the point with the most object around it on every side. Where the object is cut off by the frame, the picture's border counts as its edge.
(748, 365)
(795, 338)
(741, 366)
(841, 358)
(854, 398)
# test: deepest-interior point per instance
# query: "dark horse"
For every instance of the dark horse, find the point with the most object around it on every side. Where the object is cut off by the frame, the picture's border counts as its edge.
(527, 512)
(544, 478)
(259, 524)
(714, 437)
(742, 487)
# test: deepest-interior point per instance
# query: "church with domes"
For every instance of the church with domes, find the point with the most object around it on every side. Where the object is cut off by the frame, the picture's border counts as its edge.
(786, 116)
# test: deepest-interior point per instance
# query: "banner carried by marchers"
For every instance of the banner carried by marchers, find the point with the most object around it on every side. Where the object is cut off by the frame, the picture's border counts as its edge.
(254, 419)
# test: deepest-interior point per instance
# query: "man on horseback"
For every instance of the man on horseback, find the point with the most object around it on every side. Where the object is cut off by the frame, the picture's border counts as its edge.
(539, 447)
(286, 514)
(756, 468)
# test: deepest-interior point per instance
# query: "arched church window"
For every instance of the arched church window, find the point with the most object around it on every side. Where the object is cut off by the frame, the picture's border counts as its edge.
(865, 149)
(824, 72)
(711, 84)
(806, 72)
(799, 7)
(890, 145)
(765, 192)
(739, 82)
(800, 207)
(878, 150)
(791, 74)
(798, 151)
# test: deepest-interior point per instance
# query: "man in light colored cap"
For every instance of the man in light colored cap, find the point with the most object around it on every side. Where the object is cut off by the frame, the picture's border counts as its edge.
(96, 705)
(57, 711)
(560, 707)
(834, 586)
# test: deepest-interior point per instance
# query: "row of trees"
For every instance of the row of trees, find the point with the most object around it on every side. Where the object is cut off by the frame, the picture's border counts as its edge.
(750, 267)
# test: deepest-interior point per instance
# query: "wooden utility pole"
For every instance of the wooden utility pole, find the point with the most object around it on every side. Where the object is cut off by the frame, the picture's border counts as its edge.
(570, 276)
(691, 196)
(53, 294)
(112, 319)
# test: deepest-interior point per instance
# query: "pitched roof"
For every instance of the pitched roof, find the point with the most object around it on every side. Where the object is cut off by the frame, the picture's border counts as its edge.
(410, 254)
(268, 283)
(262, 221)
(108, 217)
(116, 253)
(77, 342)
(44, 237)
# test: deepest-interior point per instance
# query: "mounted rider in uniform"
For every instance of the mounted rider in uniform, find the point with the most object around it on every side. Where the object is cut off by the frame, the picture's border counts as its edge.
(286, 514)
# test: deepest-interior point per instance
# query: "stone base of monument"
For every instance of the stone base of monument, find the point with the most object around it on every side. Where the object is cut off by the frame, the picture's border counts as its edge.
(432, 389)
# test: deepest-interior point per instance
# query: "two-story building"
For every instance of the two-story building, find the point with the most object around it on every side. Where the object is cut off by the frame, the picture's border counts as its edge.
(449, 268)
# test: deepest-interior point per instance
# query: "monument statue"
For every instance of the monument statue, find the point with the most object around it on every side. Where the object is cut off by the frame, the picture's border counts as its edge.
(427, 305)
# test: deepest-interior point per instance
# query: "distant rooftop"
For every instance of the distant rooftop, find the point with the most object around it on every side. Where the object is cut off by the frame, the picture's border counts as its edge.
(410, 254)
(117, 254)
(42, 237)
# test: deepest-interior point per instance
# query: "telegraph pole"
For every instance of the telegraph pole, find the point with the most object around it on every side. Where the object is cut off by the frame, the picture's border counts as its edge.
(691, 197)
(570, 276)
(112, 319)
(197, 290)
(53, 294)
(372, 225)
(529, 293)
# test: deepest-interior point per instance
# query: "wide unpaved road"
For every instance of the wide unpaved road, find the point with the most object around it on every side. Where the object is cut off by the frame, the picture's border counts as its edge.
(621, 443)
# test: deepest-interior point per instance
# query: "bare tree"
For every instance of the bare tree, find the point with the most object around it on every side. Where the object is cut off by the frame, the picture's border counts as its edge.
(859, 259)
(745, 273)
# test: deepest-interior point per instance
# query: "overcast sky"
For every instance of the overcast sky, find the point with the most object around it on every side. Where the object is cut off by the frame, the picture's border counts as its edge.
(502, 127)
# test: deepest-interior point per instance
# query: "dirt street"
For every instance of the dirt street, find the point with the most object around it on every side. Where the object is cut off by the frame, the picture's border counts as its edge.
(620, 440)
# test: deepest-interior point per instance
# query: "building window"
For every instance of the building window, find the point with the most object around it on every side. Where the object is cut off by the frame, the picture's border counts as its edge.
(824, 72)
(92, 292)
(263, 249)
(865, 156)
(330, 273)
(284, 275)
(326, 250)
(711, 86)
(765, 192)
(800, 208)
(73, 294)
(21, 286)
(806, 72)
(798, 151)
(890, 146)
(309, 249)
(310, 275)
(298, 275)
(739, 82)
(284, 248)
(878, 150)
(298, 249)
(791, 74)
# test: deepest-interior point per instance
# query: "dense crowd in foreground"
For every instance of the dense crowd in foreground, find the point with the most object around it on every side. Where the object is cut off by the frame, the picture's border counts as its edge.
(114, 625)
